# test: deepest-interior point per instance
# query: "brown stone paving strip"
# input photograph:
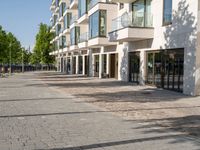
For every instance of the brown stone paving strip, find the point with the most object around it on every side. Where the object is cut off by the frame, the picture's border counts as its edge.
(154, 108)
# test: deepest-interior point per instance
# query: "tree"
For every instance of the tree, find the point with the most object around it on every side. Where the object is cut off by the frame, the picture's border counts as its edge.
(43, 47)
(3, 46)
(9, 44)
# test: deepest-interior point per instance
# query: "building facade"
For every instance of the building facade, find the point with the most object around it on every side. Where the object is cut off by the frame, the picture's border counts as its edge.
(154, 42)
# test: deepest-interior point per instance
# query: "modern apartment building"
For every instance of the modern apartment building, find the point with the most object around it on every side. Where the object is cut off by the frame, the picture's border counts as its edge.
(154, 42)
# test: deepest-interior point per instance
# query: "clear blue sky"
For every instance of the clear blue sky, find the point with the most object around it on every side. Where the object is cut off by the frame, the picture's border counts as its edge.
(22, 17)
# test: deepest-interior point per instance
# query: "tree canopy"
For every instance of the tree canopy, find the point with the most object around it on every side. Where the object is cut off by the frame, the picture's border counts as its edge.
(10, 46)
(42, 46)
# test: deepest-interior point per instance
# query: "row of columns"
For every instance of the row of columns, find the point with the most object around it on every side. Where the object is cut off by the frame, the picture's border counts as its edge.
(62, 64)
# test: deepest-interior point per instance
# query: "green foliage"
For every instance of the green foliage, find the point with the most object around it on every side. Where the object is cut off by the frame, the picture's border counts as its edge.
(10, 47)
(43, 47)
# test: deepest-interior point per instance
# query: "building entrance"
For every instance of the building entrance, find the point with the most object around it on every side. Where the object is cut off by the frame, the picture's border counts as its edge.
(134, 67)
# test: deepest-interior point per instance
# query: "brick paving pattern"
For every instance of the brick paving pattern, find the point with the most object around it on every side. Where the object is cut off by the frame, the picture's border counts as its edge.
(48, 111)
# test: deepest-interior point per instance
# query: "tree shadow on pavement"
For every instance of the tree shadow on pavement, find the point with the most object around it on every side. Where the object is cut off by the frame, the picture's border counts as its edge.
(188, 125)
(122, 142)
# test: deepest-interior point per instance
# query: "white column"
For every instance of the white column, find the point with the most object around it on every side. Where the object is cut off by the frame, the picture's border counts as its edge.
(142, 67)
(83, 65)
(100, 65)
(72, 65)
(90, 63)
(77, 65)
(123, 63)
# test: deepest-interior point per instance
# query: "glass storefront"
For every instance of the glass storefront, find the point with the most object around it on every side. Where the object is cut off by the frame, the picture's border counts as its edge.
(165, 69)
(134, 67)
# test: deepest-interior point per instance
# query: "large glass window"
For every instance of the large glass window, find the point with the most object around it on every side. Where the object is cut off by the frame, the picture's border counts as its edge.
(167, 12)
(82, 7)
(67, 19)
(97, 24)
(58, 29)
(142, 15)
(165, 69)
(74, 35)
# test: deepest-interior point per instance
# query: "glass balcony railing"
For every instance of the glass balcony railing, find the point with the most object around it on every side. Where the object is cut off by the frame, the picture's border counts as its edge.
(83, 37)
(93, 3)
(73, 20)
(138, 19)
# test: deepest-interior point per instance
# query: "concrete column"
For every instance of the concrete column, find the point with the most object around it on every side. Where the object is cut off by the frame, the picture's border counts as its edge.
(83, 65)
(108, 64)
(91, 67)
(72, 65)
(123, 63)
(142, 77)
(77, 65)
(100, 66)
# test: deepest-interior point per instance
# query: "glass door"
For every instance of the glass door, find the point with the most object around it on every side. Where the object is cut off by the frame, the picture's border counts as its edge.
(134, 67)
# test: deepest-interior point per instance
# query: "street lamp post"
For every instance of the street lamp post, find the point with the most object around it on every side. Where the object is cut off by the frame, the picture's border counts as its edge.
(22, 60)
(10, 71)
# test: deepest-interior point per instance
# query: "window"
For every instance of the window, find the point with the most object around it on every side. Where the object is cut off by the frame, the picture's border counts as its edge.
(82, 7)
(97, 24)
(142, 16)
(167, 12)
(121, 6)
(74, 35)
(67, 19)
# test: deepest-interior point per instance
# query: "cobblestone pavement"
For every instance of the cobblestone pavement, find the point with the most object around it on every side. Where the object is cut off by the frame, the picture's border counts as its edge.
(38, 115)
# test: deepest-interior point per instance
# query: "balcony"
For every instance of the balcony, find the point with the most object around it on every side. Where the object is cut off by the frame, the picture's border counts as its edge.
(132, 27)
(93, 3)
(73, 4)
(122, 1)
(83, 40)
(73, 21)
(83, 19)
(99, 41)
(52, 7)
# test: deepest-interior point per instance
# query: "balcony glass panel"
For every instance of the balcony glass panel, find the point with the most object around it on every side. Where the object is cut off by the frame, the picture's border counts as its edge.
(140, 17)
(73, 19)
(93, 3)
(83, 37)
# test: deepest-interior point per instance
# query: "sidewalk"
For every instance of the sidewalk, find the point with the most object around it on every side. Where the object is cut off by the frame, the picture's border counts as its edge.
(40, 116)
